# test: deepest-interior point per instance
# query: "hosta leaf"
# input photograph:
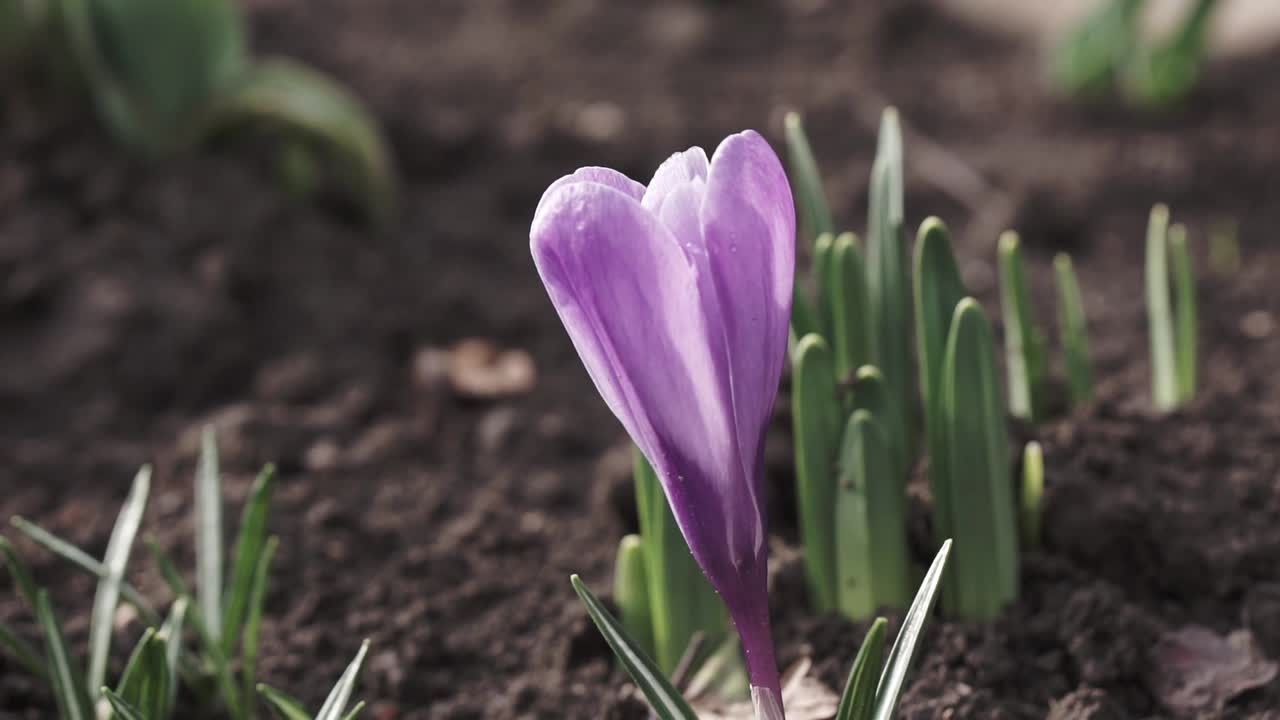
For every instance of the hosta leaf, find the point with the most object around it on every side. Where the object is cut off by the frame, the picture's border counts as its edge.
(310, 105)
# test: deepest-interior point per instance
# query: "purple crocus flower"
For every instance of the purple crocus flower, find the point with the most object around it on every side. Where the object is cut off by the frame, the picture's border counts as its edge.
(677, 297)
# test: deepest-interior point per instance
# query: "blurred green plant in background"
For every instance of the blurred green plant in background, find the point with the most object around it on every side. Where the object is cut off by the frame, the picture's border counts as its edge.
(165, 76)
(1106, 54)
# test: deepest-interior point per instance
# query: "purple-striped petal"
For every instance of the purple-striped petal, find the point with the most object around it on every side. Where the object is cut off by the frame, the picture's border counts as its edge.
(748, 227)
(598, 175)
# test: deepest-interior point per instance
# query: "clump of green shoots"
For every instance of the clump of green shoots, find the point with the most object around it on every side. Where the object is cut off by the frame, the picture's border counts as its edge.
(1172, 317)
(1105, 53)
(225, 613)
(851, 444)
(168, 75)
(875, 681)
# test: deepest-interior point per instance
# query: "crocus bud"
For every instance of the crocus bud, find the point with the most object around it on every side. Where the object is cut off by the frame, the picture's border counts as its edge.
(677, 296)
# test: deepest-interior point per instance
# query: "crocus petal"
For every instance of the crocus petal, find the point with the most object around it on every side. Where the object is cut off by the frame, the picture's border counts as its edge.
(748, 226)
(628, 295)
(598, 175)
(680, 169)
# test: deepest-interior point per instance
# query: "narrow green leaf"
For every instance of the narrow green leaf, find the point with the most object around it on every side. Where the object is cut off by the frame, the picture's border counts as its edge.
(1186, 329)
(1164, 378)
(937, 290)
(1089, 60)
(663, 698)
(816, 416)
(123, 708)
(859, 695)
(22, 651)
(1032, 492)
(209, 534)
(682, 602)
(19, 571)
(871, 393)
(849, 306)
(1162, 76)
(887, 294)
(872, 563)
(66, 680)
(286, 706)
(823, 265)
(310, 105)
(107, 597)
(804, 319)
(894, 677)
(355, 711)
(1022, 362)
(815, 214)
(248, 549)
(253, 626)
(336, 704)
(155, 700)
(171, 634)
(132, 686)
(980, 502)
(1224, 247)
(80, 559)
(631, 591)
(1072, 326)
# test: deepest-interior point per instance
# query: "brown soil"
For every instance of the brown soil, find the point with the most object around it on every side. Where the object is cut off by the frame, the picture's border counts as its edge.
(138, 303)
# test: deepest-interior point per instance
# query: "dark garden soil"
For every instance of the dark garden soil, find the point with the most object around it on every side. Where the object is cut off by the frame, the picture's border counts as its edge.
(138, 303)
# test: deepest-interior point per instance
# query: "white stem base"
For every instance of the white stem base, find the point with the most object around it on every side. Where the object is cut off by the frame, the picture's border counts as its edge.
(767, 704)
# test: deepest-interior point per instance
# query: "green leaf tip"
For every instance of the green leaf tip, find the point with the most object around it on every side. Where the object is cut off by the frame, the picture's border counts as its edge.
(815, 213)
(665, 700)
(1073, 330)
(1024, 359)
(1032, 492)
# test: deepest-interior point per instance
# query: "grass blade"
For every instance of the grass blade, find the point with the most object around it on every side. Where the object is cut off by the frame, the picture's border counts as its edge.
(1022, 361)
(816, 415)
(893, 678)
(336, 703)
(66, 680)
(980, 502)
(1186, 329)
(665, 700)
(871, 522)
(132, 684)
(287, 707)
(123, 708)
(815, 213)
(20, 573)
(1164, 379)
(355, 711)
(209, 535)
(682, 602)
(859, 695)
(849, 307)
(1032, 492)
(107, 597)
(248, 548)
(631, 591)
(1075, 336)
(171, 633)
(253, 625)
(82, 560)
(22, 651)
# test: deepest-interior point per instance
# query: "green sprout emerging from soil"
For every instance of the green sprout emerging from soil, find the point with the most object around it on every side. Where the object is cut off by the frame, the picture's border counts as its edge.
(224, 614)
(166, 76)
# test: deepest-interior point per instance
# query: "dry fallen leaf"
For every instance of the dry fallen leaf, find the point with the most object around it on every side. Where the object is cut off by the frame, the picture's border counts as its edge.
(803, 697)
(1195, 670)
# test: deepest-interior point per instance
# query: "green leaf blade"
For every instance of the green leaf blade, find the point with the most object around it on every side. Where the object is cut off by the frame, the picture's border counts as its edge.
(816, 411)
(1074, 332)
(815, 213)
(859, 696)
(665, 700)
(66, 679)
(1164, 379)
(248, 550)
(107, 596)
(894, 677)
(208, 506)
(335, 705)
